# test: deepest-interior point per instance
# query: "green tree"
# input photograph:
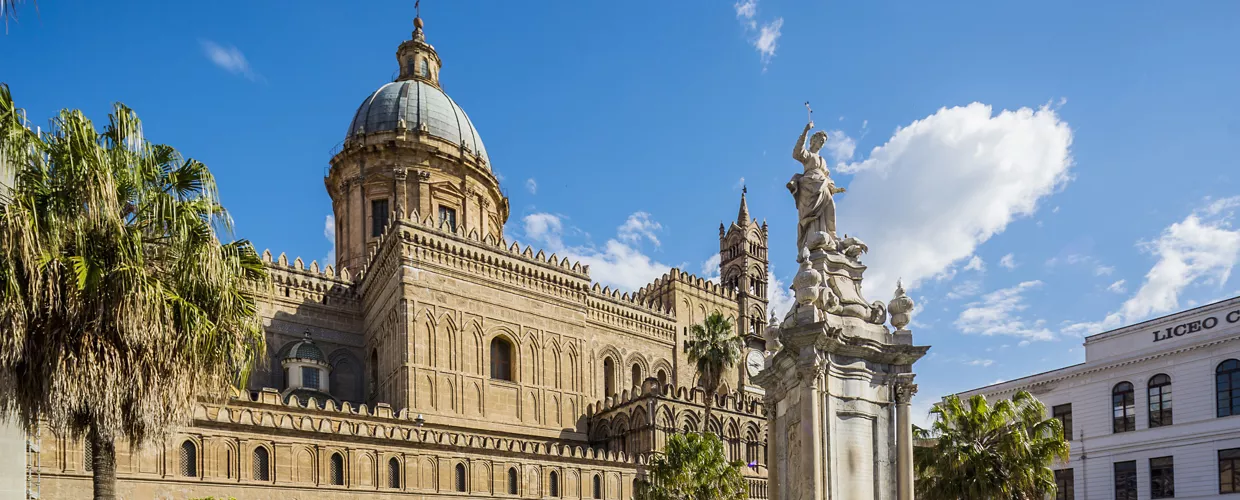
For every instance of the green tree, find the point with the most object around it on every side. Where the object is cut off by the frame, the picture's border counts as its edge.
(713, 349)
(982, 451)
(119, 304)
(692, 467)
(8, 10)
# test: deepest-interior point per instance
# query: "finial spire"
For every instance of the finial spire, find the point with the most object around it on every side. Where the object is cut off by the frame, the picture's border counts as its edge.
(742, 217)
(417, 21)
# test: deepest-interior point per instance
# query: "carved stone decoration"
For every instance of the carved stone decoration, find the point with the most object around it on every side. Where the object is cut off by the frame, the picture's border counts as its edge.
(400, 173)
(423, 175)
(901, 307)
(771, 335)
(903, 390)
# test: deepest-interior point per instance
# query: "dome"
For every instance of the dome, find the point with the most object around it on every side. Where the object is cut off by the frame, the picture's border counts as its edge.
(305, 349)
(422, 106)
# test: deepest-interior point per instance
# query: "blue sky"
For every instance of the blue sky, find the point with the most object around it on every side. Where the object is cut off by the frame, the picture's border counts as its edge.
(1037, 171)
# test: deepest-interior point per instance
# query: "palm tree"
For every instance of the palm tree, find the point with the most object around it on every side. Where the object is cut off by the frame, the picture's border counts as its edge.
(981, 451)
(714, 349)
(692, 467)
(8, 10)
(119, 304)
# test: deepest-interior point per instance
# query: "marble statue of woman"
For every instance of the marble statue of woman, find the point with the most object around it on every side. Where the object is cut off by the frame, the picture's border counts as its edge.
(813, 190)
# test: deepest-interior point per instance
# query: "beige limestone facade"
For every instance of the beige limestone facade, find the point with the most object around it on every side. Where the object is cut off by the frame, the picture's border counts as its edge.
(437, 359)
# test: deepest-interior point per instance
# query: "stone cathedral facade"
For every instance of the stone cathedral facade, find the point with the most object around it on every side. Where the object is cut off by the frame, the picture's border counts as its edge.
(439, 359)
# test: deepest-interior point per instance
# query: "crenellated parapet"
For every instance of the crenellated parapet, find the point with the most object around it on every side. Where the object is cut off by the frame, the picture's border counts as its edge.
(631, 313)
(296, 280)
(424, 241)
(266, 409)
(639, 420)
(659, 288)
(740, 402)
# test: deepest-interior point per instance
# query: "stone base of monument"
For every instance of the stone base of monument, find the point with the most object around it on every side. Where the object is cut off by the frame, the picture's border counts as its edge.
(837, 401)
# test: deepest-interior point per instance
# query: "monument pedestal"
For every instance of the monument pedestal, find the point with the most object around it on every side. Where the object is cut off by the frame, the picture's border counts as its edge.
(837, 399)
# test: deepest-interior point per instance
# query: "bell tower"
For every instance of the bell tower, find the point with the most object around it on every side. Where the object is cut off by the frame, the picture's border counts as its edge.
(743, 266)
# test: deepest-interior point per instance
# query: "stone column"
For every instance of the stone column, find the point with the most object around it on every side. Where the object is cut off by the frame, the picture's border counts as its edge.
(424, 196)
(904, 389)
(401, 203)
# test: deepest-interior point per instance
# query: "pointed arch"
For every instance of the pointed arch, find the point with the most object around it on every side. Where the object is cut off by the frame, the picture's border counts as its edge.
(472, 350)
(638, 369)
(423, 347)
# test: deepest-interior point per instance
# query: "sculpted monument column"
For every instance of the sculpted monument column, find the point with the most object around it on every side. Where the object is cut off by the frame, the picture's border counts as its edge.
(837, 378)
(904, 390)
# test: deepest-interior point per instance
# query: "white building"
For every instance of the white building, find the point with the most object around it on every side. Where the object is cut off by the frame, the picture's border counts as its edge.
(1153, 412)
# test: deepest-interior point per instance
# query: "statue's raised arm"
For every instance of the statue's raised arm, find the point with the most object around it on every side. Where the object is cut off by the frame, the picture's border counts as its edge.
(799, 153)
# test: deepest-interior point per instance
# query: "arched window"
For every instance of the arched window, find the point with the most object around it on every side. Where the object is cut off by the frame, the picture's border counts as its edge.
(425, 70)
(501, 359)
(262, 464)
(189, 459)
(228, 463)
(609, 377)
(598, 486)
(1159, 392)
(637, 375)
(1123, 408)
(554, 484)
(393, 473)
(662, 379)
(460, 477)
(1227, 383)
(512, 481)
(88, 457)
(337, 469)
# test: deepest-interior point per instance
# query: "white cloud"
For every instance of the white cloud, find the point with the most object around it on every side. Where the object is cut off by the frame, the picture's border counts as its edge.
(639, 226)
(1008, 261)
(976, 264)
(840, 146)
(710, 268)
(1201, 249)
(779, 296)
(997, 313)
(764, 39)
(229, 59)
(616, 264)
(740, 184)
(947, 183)
(329, 232)
(768, 38)
(545, 228)
(531, 185)
(1117, 287)
(1104, 270)
(1023, 343)
(981, 362)
(746, 9)
(967, 288)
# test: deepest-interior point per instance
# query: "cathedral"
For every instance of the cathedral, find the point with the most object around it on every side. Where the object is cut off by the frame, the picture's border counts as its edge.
(436, 358)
